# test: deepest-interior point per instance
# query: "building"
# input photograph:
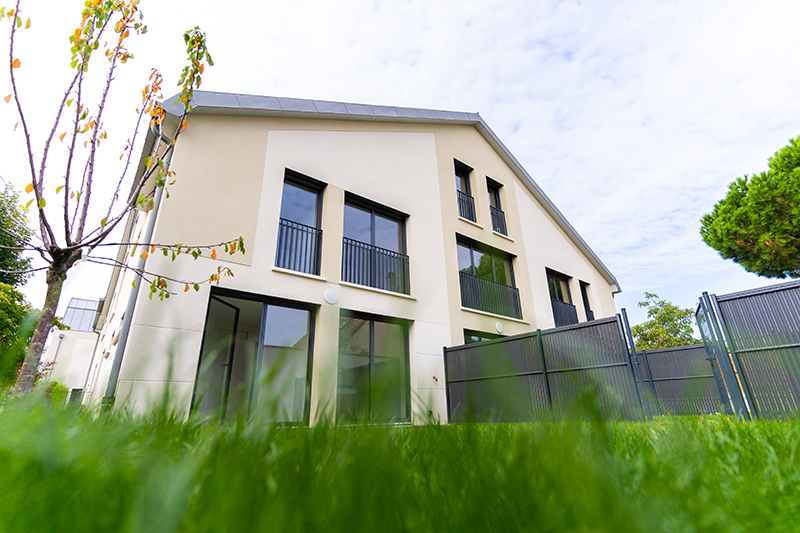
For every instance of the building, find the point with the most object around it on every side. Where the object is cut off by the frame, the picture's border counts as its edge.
(69, 356)
(375, 236)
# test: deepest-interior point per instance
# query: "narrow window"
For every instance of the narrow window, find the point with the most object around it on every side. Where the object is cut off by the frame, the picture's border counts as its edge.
(373, 381)
(495, 209)
(374, 250)
(564, 312)
(466, 203)
(299, 233)
(585, 296)
(487, 279)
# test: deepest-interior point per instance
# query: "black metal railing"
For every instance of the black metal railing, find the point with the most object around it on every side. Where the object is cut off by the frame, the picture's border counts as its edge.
(589, 314)
(498, 220)
(564, 313)
(487, 295)
(466, 206)
(365, 264)
(298, 247)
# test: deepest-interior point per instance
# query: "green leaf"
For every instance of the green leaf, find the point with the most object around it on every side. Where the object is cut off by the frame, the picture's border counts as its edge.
(196, 287)
(103, 222)
(58, 189)
(148, 161)
(41, 203)
(69, 102)
(28, 204)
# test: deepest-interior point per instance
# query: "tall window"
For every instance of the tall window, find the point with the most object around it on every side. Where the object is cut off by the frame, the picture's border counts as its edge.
(373, 369)
(374, 251)
(255, 358)
(564, 312)
(299, 236)
(495, 209)
(585, 297)
(487, 280)
(466, 204)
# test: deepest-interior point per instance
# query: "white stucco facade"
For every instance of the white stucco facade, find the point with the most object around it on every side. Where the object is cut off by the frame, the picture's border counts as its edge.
(231, 167)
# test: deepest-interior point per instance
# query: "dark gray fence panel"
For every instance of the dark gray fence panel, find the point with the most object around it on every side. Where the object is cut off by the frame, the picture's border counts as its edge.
(762, 327)
(682, 381)
(582, 368)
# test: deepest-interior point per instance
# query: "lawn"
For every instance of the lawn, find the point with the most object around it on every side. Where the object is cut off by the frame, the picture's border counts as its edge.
(66, 469)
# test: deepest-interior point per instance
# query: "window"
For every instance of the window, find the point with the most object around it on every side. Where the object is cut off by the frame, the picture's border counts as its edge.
(585, 296)
(472, 337)
(373, 369)
(374, 246)
(255, 353)
(466, 204)
(564, 312)
(299, 236)
(487, 279)
(495, 209)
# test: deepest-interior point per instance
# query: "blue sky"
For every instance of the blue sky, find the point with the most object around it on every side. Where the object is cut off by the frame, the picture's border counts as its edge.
(633, 116)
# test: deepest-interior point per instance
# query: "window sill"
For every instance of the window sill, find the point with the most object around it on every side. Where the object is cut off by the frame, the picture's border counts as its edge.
(380, 291)
(506, 237)
(297, 273)
(468, 221)
(484, 313)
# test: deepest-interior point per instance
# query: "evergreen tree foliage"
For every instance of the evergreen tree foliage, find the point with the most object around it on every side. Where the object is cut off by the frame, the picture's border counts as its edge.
(669, 325)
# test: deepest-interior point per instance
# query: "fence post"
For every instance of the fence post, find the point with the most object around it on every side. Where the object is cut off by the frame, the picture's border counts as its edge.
(649, 373)
(734, 358)
(715, 346)
(544, 371)
(446, 383)
(633, 365)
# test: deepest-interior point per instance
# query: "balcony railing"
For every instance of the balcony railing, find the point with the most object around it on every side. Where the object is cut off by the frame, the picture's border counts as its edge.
(487, 295)
(466, 206)
(564, 313)
(498, 220)
(589, 314)
(298, 247)
(365, 264)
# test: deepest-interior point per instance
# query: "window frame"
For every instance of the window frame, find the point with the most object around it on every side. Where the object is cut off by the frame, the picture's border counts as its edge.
(372, 318)
(265, 301)
(473, 245)
(308, 183)
(483, 335)
(375, 208)
(555, 275)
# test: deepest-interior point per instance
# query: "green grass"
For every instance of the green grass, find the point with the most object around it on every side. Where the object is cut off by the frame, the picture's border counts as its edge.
(63, 469)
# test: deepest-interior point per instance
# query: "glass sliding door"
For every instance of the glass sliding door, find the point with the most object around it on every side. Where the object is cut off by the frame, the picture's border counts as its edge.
(373, 370)
(284, 366)
(255, 360)
(216, 358)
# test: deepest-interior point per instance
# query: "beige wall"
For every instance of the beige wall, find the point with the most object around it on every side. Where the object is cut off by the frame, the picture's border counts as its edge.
(229, 182)
(71, 354)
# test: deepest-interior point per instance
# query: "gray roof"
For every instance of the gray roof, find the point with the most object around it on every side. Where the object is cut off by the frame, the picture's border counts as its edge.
(216, 103)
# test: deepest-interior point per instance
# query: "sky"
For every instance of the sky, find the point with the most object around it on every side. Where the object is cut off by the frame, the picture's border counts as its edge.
(632, 115)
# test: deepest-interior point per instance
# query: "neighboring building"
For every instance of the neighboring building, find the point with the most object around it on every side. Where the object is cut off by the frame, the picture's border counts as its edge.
(70, 354)
(375, 236)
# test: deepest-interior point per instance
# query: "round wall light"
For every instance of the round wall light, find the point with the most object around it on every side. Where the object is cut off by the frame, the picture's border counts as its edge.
(499, 327)
(331, 297)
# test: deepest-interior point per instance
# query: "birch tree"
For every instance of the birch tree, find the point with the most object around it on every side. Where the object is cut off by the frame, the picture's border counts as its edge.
(65, 232)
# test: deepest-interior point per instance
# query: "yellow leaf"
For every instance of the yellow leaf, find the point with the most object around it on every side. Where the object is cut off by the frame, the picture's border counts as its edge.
(144, 254)
(186, 288)
(15, 63)
(183, 123)
(213, 254)
(7, 98)
(28, 24)
(61, 137)
(233, 247)
(10, 13)
(72, 194)
(29, 188)
(15, 126)
(153, 249)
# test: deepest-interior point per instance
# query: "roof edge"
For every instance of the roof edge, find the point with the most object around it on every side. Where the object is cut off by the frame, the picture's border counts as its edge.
(220, 103)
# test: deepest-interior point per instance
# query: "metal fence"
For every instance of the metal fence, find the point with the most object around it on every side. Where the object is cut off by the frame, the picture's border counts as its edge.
(569, 371)
(754, 336)
(490, 296)
(466, 206)
(498, 220)
(373, 266)
(682, 381)
(298, 247)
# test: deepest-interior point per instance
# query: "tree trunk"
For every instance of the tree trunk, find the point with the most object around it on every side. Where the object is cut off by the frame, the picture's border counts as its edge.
(27, 374)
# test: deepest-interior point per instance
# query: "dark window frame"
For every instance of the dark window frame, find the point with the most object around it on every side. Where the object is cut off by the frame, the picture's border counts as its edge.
(493, 252)
(555, 275)
(483, 335)
(585, 297)
(310, 184)
(372, 318)
(265, 301)
(465, 198)
(379, 209)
